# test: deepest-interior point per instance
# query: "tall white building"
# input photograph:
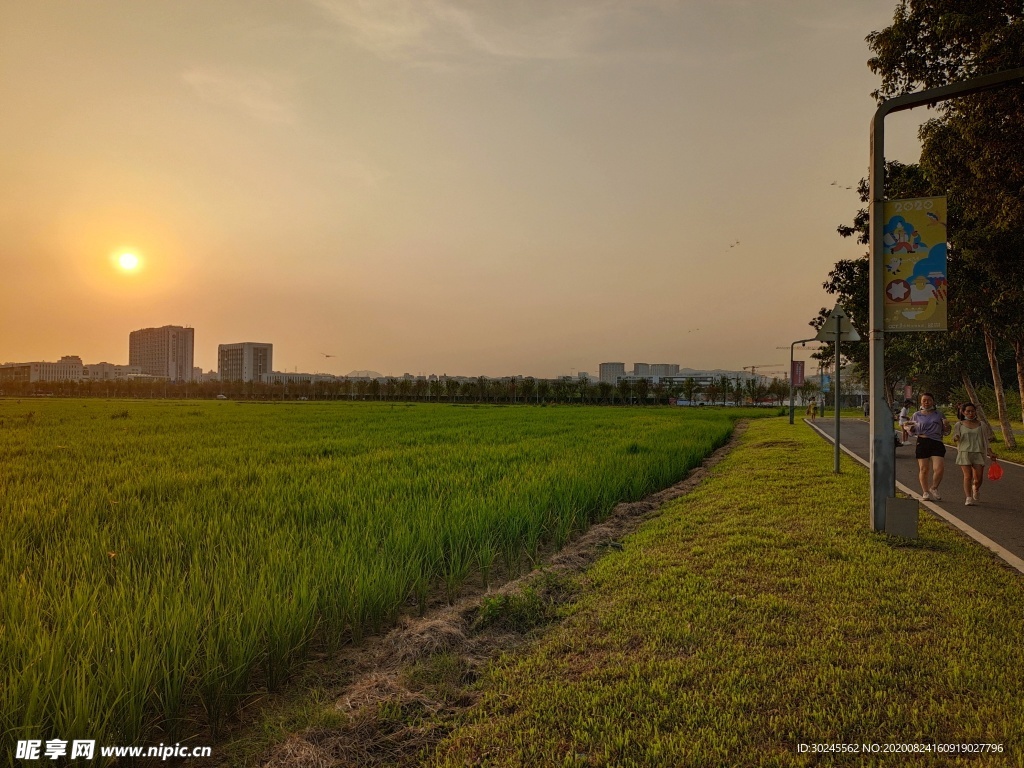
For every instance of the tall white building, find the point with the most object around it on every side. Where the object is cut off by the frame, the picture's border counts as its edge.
(247, 361)
(610, 372)
(164, 352)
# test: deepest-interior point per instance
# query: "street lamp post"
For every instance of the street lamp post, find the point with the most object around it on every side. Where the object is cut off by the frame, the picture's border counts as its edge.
(883, 460)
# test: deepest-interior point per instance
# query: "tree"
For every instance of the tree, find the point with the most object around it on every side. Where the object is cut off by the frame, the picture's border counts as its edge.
(643, 388)
(690, 389)
(543, 390)
(975, 148)
(451, 389)
(625, 387)
(778, 389)
(725, 384)
(527, 389)
(713, 391)
(736, 391)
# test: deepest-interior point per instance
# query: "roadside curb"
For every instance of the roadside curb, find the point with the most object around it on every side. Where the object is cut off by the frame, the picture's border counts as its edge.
(1008, 557)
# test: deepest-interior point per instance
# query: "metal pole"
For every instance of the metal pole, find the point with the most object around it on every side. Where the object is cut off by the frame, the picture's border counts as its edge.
(835, 398)
(791, 381)
(883, 459)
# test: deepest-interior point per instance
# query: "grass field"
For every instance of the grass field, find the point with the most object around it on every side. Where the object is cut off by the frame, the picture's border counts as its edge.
(756, 614)
(164, 560)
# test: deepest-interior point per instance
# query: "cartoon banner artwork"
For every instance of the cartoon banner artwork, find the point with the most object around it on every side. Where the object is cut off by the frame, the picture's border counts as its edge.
(914, 255)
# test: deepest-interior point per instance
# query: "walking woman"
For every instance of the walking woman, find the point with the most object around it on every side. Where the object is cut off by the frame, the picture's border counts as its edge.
(929, 426)
(904, 418)
(972, 438)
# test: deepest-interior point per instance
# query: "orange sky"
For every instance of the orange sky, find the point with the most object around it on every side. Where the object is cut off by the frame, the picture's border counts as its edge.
(432, 186)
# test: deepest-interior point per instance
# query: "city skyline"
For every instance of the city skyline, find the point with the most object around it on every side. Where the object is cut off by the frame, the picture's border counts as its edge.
(246, 361)
(432, 186)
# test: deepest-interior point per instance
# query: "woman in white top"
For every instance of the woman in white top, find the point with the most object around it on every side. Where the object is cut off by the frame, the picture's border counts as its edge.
(904, 419)
(972, 437)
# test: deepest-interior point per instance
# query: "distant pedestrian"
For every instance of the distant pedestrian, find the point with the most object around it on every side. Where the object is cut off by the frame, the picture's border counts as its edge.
(904, 419)
(972, 438)
(814, 409)
(929, 425)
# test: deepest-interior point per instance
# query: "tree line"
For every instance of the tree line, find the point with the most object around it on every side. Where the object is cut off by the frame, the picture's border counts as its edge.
(721, 391)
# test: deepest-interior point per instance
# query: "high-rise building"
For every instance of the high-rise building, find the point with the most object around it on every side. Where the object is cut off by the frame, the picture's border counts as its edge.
(246, 361)
(641, 369)
(165, 352)
(610, 372)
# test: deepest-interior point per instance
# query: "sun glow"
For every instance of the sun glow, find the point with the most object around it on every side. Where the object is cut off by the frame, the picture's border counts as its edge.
(129, 262)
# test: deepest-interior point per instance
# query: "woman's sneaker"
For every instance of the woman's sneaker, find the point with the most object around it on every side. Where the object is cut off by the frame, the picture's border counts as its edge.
(935, 494)
(974, 493)
(970, 502)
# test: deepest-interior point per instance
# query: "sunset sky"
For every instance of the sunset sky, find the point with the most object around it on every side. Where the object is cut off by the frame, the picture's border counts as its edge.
(432, 186)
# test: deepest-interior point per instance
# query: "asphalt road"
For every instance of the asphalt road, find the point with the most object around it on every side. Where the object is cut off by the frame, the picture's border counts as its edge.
(998, 516)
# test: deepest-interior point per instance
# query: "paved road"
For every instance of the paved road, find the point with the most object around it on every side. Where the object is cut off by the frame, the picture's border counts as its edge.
(998, 517)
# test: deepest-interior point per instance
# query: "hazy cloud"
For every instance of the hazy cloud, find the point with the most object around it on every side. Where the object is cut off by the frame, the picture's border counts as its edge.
(449, 30)
(260, 97)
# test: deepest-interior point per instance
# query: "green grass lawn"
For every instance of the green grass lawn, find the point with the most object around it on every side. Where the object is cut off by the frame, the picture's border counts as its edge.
(758, 613)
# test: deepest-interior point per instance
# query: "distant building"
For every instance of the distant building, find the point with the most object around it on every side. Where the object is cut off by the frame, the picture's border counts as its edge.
(68, 368)
(702, 381)
(641, 370)
(611, 372)
(164, 352)
(110, 372)
(247, 361)
(664, 369)
(277, 377)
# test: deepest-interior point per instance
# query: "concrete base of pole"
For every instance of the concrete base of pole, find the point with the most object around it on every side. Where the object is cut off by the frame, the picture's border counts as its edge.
(901, 517)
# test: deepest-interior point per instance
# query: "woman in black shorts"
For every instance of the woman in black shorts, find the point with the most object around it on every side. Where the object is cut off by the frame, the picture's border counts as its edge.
(929, 426)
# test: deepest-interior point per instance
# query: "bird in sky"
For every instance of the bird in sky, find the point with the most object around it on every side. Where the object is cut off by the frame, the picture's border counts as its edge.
(326, 355)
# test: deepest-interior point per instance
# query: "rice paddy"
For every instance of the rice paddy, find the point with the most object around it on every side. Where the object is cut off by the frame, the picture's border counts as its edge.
(166, 560)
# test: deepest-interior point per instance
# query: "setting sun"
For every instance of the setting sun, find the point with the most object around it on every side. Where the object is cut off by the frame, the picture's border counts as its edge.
(129, 262)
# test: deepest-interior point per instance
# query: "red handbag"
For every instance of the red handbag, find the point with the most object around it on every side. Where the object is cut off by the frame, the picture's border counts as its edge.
(994, 470)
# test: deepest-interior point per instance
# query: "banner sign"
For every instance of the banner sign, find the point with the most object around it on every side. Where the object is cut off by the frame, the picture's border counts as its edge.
(797, 374)
(914, 257)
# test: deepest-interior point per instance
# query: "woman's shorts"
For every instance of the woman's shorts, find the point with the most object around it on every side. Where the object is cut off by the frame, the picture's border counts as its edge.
(926, 448)
(967, 458)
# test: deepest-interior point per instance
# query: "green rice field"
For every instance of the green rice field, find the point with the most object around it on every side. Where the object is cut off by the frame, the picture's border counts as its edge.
(163, 561)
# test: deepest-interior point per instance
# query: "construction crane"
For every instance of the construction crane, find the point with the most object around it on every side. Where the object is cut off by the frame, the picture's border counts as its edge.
(753, 368)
